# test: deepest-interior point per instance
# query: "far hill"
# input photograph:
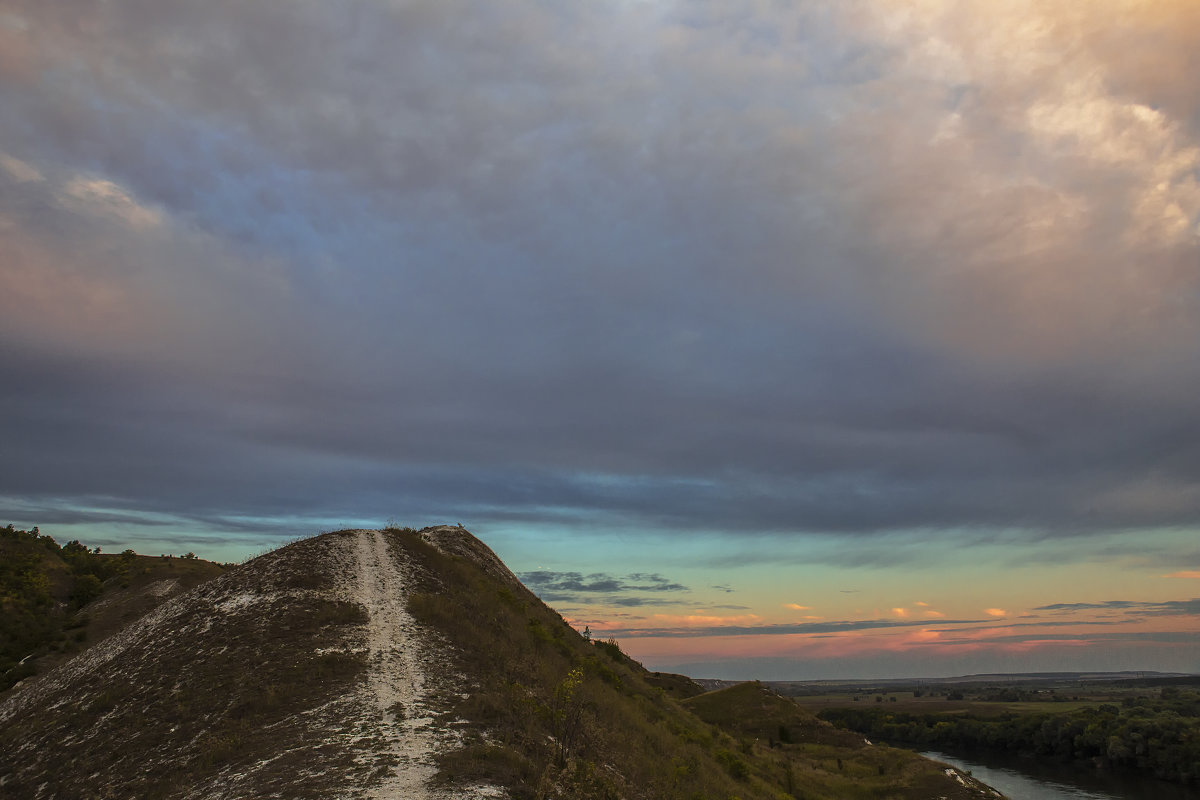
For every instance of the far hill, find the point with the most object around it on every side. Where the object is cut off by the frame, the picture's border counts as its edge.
(57, 601)
(998, 679)
(408, 664)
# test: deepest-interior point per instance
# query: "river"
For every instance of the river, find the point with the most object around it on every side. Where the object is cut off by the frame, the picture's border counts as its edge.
(1024, 779)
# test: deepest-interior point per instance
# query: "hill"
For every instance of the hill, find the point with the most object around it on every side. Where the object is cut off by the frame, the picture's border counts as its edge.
(404, 664)
(44, 589)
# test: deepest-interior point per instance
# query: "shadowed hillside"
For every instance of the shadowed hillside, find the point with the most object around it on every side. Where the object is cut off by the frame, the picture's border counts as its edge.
(406, 664)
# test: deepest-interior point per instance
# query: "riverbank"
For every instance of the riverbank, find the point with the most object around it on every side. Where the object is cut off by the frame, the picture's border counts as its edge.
(1154, 733)
(1028, 779)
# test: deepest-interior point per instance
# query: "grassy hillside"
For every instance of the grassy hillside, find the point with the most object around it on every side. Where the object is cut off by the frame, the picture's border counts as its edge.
(56, 601)
(813, 759)
(241, 671)
(681, 687)
(280, 679)
(551, 715)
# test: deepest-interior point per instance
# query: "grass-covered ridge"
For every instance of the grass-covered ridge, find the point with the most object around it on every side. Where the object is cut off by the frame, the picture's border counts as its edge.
(549, 714)
(289, 677)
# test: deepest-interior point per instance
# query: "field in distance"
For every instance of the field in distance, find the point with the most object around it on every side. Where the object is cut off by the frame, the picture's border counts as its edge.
(986, 695)
(1148, 724)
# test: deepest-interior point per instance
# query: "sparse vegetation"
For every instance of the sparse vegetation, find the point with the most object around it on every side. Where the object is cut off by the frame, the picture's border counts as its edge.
(217, 701)
(43, 588)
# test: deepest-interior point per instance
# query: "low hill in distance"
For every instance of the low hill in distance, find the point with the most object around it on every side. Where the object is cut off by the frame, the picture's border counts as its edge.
(55, 601)
(1025, 680)
(407, 664)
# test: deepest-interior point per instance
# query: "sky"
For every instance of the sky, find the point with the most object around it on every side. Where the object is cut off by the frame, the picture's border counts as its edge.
(782, 340)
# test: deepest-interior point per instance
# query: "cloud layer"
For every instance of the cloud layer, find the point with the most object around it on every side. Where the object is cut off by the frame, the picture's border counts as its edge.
(721, 266)
(627, 591)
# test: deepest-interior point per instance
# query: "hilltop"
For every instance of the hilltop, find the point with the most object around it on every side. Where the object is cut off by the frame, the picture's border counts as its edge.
(409, 664)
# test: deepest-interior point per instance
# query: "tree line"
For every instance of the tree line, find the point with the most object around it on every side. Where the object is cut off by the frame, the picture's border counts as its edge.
(42, 584)
(1158, 736)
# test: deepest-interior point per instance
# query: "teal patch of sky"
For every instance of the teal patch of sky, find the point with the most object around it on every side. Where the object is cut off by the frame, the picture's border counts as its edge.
(708, 564)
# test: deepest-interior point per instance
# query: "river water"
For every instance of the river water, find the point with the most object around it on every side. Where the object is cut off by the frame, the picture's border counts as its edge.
(1022, 779)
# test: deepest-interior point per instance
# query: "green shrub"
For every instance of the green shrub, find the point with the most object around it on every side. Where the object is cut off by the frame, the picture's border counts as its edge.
(734, 765)
(86, 589)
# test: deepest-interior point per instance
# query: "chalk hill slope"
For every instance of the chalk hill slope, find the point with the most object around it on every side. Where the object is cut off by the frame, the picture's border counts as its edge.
(44, 587)
(407, 664)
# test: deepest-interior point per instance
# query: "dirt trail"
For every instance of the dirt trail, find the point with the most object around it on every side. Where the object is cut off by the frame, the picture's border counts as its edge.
(395, 680)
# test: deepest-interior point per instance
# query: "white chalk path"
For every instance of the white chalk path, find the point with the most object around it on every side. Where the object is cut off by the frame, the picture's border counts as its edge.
(395, 685)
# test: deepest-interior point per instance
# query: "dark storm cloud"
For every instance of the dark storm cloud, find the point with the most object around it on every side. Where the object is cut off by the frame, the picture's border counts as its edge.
(1165, 609)
(694, 267)
(788, 629)
(1048, 624)
(1108, 604)
(629, 601)
(1163, 637)
(575, 587)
